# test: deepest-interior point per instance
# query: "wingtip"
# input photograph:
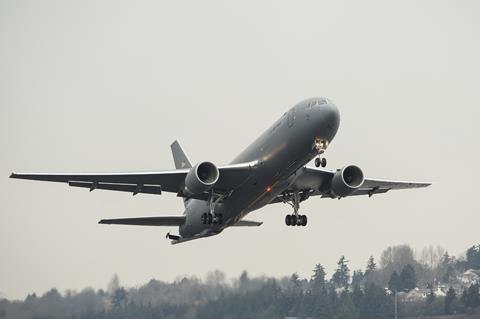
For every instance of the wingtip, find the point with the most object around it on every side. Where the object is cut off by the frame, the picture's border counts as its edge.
(102, 221)
(13, 175)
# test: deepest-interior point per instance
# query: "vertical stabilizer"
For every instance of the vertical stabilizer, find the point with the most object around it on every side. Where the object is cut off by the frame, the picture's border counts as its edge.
(179, 157)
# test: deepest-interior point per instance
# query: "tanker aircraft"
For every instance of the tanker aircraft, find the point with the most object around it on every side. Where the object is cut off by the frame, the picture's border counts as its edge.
(271, 170)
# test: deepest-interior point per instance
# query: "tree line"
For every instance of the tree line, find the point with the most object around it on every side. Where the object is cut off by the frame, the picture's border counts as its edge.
(367, 293)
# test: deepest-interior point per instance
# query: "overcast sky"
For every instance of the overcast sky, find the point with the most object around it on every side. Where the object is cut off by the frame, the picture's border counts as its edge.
(108, 85)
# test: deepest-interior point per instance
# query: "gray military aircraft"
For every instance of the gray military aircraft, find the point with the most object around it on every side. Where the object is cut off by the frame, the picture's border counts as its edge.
(271, 170)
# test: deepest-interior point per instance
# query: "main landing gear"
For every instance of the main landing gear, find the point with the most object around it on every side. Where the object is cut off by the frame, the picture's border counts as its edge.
(211, 217)
(295, 219)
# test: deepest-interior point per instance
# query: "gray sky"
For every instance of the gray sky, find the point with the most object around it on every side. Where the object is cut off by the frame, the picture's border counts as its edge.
(108, 85)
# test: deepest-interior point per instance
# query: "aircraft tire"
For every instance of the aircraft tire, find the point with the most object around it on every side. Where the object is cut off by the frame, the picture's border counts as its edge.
(304, 220)
(323, 162)
(288, 220)
(294, 220)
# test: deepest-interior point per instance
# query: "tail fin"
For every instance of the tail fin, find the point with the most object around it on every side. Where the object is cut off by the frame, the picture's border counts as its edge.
(180, 158)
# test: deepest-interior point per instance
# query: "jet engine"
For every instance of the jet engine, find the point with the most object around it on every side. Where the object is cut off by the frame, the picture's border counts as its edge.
(346, 180)
(201, 178)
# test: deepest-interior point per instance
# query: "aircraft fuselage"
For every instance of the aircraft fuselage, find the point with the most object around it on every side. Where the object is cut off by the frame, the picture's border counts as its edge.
(280, 151)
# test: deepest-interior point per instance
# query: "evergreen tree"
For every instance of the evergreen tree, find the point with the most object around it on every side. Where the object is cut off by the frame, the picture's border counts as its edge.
(243, 281)
(445, 269)
(371, 266)
(408, 279)
(449, 299)
(317, 281)
(473, 257)
(341, 277)
(357, 296)
(394, 282)
(295, 280)
(119, 299)
(472, 299)
(345, 308)
(376, 304)
(358, 278)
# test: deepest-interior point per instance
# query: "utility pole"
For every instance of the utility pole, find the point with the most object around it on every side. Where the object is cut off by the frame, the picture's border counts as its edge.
(396, 307)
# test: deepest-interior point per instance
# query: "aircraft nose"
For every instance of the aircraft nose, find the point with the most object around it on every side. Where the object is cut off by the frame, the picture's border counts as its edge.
(330, 116)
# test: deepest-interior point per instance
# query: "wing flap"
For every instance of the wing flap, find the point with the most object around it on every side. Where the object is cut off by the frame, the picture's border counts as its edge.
(147, 221)
(131, 188)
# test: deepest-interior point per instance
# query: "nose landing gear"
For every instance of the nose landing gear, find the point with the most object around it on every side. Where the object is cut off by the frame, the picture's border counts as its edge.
(320, 145)
(320, 161)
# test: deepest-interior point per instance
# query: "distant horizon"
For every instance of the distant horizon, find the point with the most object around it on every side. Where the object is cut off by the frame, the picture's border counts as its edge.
(229, 279)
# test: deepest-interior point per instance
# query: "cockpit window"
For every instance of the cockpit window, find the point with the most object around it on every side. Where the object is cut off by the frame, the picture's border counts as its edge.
(322, 101)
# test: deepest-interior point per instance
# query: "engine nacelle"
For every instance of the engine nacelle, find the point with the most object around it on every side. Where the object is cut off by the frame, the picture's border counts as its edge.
(201, 178)
(347, 180)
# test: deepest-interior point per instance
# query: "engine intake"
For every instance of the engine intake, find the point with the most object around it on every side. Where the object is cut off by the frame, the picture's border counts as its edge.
(347, 180)
(201, 178)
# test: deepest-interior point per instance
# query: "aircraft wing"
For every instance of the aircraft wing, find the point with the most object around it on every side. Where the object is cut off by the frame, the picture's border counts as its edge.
(230, 177)
(316, 182)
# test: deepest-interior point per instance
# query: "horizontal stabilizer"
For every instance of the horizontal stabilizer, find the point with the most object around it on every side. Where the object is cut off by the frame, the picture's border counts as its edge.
(248, 223)
(147, 221)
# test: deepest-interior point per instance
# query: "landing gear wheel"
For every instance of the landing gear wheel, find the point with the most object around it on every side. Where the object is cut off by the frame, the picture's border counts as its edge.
(288, 220)
(294, 220)
(323, 162)
(318, 162)
(299, 220)
(304, 220)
